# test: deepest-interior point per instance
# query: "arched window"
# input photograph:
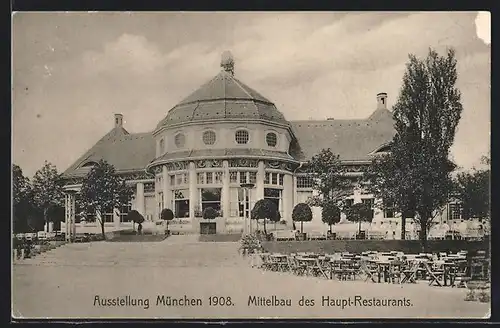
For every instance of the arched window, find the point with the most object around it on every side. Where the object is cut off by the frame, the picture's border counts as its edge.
(180, 140)
(241, 137)
(209, 137)
(162, 146)
(271, 139)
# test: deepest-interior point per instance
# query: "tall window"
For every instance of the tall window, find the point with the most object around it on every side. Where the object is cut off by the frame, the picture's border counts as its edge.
(275, 195)
(370, 202)
(241, 203)
(210, 197)
(241, 137)
(455, 210)
(275, 179)
(389, 210)
(124, 210)
(180, 199)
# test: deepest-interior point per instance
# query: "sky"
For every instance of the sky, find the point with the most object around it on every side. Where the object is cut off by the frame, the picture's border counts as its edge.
(73, 71)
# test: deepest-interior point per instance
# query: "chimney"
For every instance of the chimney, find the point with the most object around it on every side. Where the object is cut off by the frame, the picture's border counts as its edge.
(118, 120)
(382, 100)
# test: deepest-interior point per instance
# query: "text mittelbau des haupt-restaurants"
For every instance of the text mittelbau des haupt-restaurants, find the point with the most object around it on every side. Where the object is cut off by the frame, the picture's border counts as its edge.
(251, 301)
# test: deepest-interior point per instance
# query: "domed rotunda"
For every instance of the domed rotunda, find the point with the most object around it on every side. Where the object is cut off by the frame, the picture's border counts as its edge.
(226, 146)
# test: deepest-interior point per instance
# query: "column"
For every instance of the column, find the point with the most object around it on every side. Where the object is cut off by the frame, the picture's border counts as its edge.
(67, 221)
(167, 192)
(287, 197)
(193, 190)
(259, 191)
(295, 193)
(316, 210)
(226, 199)
(73, 208)
(139, 198)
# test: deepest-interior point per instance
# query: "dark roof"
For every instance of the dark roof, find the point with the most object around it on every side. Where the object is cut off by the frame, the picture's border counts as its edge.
(353, 140)
(127, 152)
(223, 97)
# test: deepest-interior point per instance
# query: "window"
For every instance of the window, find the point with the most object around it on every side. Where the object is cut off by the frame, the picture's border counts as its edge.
(180, 140)
(233, 177)
(253, 177)
(271, 139)
(201, 178)
(455, 211)
(241, 137)
(243, 177)
(124, 210)
(209, 137)
(218, 177)
(210, 178)
(369, 202)
(241, 203)
(304, 182)
(162, 146)
(389, 210)
(210, 197)
(275, 179)
(275, 196)
(180, 199)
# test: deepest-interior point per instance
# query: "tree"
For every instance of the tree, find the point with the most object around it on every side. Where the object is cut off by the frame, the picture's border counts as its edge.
(265, 209)
(23, 210)
(473, 191)
(426, 115)
(302, 213)
(47, 189)
(167, 215)
(102, 190)
(329, 180)
(330, 213)
(209, 213)
(135, 217)
(359, 212)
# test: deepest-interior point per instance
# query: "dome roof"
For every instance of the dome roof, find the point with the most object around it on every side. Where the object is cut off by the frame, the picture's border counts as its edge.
(223, 97)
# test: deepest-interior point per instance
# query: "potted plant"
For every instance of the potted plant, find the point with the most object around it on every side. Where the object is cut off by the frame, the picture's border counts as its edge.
(359, 212)
(330, 214)
(136, 218)
(209, 213)
(167, 215)
(301, 213)
(265, 209)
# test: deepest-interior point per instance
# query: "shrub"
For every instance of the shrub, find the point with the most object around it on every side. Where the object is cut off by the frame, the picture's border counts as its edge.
(484, 296)
(471, 295)
(250, 244)
(209, 213)
(302, 213)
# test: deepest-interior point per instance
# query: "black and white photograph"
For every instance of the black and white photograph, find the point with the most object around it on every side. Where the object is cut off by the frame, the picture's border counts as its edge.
(251, 165)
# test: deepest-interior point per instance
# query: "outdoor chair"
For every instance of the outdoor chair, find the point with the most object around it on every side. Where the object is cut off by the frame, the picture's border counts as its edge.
(436, 273)
(395, 271)
(461, 277)
(369, 270)
(410, 272)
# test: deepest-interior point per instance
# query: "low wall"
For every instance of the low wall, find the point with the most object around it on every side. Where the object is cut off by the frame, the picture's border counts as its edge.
(358, 246)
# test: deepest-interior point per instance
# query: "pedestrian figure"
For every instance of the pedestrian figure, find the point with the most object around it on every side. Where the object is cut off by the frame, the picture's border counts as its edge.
(139, 229)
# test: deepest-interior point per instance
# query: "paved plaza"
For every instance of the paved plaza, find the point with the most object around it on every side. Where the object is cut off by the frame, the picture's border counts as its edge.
(66, 282)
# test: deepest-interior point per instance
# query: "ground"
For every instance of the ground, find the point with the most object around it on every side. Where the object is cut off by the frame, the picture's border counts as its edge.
(64, 283)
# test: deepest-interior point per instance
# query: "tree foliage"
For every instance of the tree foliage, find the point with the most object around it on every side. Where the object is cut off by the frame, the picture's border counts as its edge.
(473, 191)
(102, 190)
(329, 179)
(265, 209)
(416, 175)
(359, 212)
(167, 214)
(135, 217)
(302, 213)
(209, 213)
(26, 216)
(330, 213)
(47, 189)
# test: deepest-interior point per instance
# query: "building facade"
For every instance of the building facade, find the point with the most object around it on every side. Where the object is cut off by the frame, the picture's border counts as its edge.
(226, 146)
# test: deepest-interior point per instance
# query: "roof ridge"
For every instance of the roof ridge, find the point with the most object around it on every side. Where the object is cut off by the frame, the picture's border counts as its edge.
(238, 83)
